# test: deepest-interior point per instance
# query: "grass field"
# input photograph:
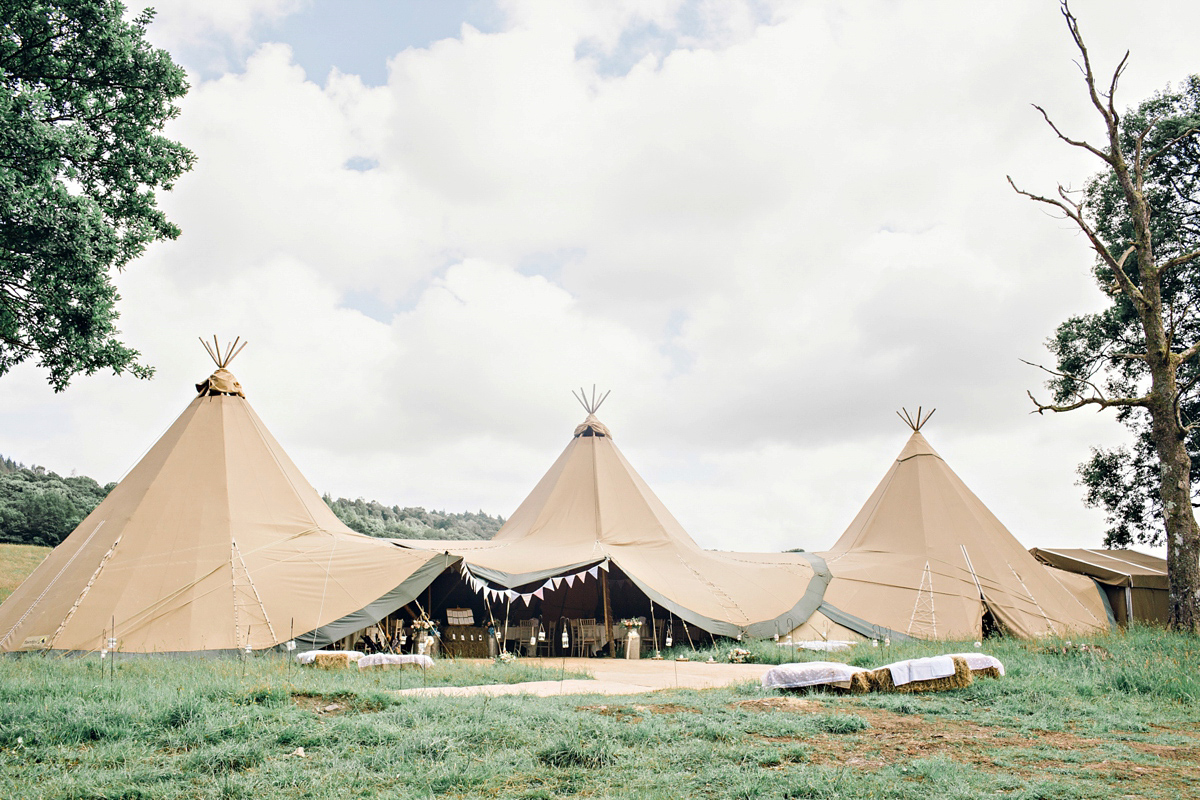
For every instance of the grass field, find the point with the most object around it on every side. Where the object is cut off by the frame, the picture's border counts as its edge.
(16, 562)
(1112, 723)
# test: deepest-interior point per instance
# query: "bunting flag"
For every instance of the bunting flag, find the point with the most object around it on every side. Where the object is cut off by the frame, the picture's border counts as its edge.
(538, 593)
(525, 598)
(594, 572)
(570, 581)
(604, 565)
(555, 581)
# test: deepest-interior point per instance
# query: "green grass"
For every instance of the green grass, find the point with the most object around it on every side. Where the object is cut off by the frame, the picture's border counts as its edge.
(1074, 725)
(16, 562)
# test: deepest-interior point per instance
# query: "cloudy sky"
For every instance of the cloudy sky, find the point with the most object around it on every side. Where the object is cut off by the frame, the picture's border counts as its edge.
(765, 226)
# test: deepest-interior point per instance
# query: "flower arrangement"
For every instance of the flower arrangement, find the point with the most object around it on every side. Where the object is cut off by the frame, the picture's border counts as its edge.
(739, 656)
(505, 657)
(425, 624)
(631, 624)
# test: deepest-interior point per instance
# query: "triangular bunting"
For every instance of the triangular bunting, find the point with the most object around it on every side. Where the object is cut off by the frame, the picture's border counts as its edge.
(570, 579)
(594, 572)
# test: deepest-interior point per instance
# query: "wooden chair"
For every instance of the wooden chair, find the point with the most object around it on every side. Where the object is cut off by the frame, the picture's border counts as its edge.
(584, 634)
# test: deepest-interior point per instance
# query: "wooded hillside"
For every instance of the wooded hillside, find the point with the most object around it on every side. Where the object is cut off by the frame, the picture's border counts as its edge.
(40, 507)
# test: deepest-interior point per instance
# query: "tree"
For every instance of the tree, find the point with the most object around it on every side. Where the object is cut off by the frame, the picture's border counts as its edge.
(1139, 355)
(83, 101)
(1123, 480)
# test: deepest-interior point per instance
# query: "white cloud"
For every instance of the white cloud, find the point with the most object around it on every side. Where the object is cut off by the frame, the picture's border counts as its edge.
(766, 231)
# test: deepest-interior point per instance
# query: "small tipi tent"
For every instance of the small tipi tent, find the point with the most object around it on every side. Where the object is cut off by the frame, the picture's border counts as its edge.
(925, 558)
(214, 541)
(593, 510)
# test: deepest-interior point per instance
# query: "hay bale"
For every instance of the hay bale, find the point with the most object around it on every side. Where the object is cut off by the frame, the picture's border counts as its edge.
(860, 683)
(881, 680)
(331, 660)
(982, 665)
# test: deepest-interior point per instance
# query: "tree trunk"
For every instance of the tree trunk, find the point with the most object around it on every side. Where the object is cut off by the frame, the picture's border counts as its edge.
(1183, 534)
(1175, 465)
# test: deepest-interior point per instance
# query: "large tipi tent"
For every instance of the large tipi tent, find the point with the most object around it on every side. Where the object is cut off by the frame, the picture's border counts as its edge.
(592, 511)
(925, 558)
(213, 542)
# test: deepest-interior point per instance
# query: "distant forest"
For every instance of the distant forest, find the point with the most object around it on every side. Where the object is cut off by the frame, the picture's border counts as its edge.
(40, 507)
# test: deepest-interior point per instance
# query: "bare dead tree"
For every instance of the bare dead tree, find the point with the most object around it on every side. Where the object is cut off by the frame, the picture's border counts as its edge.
(1142, 286)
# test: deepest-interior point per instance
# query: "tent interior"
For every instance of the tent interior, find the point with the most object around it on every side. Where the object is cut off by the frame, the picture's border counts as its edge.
(470, 625)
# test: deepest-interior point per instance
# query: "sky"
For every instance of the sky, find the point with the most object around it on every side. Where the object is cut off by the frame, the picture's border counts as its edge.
(764, 226)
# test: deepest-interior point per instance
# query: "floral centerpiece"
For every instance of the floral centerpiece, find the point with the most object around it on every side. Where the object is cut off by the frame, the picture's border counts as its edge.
(425, 625)
(631, 624)
(739, 656)
(505, 657)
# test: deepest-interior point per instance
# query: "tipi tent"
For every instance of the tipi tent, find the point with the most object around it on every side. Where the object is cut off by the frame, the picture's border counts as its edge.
(214, 541)
(925, 558)
(592, 511)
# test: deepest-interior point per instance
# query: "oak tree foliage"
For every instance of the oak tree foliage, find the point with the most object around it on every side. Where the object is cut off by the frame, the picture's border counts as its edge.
(83, 101)
(1124, 480)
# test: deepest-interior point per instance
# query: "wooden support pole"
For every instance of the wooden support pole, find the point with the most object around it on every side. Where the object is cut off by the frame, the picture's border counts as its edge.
(608, 623)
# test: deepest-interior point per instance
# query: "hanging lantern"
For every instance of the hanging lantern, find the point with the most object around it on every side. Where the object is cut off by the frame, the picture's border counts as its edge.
(541, 635)
(532, 640)
(739, 636)
(403, 639)
(777, 638)
(565, 641)
(669, 639)
(291, 645)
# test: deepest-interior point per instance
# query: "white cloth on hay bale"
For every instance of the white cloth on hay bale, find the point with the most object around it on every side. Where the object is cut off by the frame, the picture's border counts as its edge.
(390, 660)
(810, 673)
(921, 669)
(822, 645)
(977, 661)
(309, 656)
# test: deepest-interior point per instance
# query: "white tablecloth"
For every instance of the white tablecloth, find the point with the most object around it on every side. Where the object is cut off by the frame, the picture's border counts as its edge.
(811, 673)
(921, 669)
(980, 661)
(308, 656)
(381, 659)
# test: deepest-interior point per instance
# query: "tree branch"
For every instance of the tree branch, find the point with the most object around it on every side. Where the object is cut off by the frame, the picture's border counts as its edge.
(1073, 142)
(1189, 354)
(1172, 143)
(1086, 68)
(1178, 260)
(1096, 400)
(1074, 212)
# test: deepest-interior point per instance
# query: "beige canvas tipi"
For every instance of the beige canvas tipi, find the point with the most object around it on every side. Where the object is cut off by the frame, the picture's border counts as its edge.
(593, 509)
(214, 541)
(925, 558)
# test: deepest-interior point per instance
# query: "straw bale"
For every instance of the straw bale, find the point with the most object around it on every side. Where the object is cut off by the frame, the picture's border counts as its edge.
(331, 660)
(881, 680)
(986, 672)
